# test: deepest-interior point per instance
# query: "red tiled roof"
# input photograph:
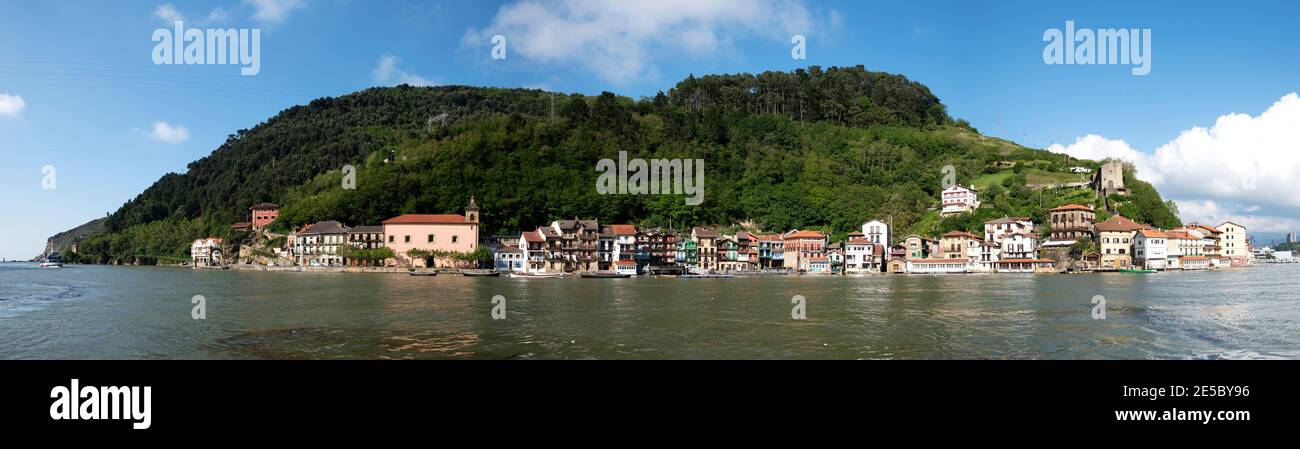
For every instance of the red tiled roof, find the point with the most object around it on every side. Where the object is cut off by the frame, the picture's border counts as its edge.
(627, 263)
(805, 235)
(426, 219)
(622, 229)
(819, 259)
(1026, 261)
(1119, 223)
(533, 237)
(938, 261)
(1153, 233)
(961, 234)
(1008, 220)
(259, 206)
(1069, 207)
(858, 242)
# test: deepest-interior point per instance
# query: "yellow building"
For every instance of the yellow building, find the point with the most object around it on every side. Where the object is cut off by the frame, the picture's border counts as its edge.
(1115, 240)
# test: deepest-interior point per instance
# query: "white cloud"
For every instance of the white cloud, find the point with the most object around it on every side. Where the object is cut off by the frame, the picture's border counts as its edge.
(168, 13)
(217, 16)
(173, 134)
(274, 11)
(11, 105)
(388, 73)
(1244, 168)
(618, 40)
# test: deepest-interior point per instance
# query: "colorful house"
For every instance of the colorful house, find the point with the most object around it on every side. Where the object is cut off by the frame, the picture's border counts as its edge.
(801, 247)
(1115, 240)
(432, 234)
(264, 214)
(960, 245)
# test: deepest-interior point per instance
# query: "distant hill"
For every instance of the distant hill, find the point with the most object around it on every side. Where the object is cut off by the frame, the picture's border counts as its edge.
(62, 241)
(825, 149)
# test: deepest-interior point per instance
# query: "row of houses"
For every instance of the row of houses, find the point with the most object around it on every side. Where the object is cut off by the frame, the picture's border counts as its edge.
(415, 240)
(1007, 245)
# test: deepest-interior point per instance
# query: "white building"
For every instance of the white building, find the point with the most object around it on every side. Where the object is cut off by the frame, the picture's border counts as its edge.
(318, 244)
(989, 254)
(625, 267)
(508, 258)
(939, 266)
(206, 252)
(1151, 249)
(1233, 241)
(1019, 246)
(957, 199)
(1182, 244)
(994, 230)
(860, 256)
(876, 232)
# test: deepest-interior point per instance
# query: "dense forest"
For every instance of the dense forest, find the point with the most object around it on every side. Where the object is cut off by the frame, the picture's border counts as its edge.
(824, 149)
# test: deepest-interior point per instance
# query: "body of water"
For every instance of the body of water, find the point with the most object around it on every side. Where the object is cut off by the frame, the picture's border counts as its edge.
(100, 312)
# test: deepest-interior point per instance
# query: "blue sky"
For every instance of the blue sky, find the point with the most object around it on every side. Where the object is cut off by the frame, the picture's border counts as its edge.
(79, 91)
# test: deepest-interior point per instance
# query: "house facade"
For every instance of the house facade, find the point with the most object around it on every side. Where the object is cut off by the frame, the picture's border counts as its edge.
(959, 245)
(1072, 222)
(264, 214)
(801, 247)
(1182, 244)
(957, 200)
(860, 256)
(533, 247)
(318, 244)
(1233, 239)
(876, 232)
(432, 233)
(706, 248)
(509, 258)
(1019, 246)
(1115, 242)
(206, 252)
(939, 266)
(1151, 249)
(365, 237)
(994, 230)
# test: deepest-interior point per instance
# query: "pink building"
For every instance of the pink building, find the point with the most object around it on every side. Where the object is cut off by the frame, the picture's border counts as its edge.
(264, 214)
(440, 232)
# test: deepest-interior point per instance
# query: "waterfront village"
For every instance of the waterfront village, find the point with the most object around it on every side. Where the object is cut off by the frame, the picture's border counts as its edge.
(1008, 245)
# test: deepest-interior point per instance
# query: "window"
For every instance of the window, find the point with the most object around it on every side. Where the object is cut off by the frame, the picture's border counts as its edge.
(430, 238)
(455, 238)
(391, 238)
(406, 239)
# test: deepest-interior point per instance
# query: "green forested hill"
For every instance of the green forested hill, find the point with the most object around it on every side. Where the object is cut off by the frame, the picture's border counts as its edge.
(826, 149)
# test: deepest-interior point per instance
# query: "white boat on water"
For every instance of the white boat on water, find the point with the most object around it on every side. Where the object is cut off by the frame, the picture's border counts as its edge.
(536, 275)
(52, 261)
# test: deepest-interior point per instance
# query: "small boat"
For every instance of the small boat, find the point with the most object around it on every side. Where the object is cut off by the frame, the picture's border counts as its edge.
(603, 275)
(423, 273)
(52, 261)
(479, 273)
(1135, 270)
(707, 276)
(536, 275)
